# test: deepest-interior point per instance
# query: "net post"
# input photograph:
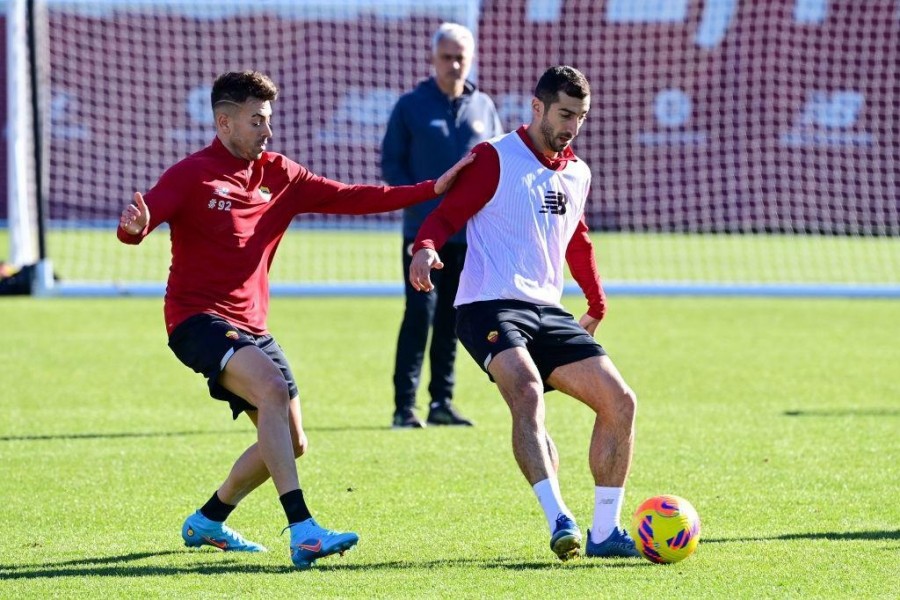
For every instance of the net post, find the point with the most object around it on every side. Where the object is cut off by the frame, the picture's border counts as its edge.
(43, 283)
(33, 13)
(22, 221)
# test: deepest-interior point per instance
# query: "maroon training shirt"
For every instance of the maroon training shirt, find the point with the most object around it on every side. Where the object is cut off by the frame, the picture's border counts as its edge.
(227, 216)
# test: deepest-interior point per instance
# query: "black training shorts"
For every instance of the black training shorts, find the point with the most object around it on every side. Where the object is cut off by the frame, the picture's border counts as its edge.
(551, 335)
(206, 342)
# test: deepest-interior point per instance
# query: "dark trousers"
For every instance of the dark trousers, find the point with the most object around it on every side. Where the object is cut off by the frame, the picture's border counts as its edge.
(434, 311)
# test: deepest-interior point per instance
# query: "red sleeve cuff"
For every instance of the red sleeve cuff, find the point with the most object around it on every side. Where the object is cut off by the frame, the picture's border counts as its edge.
(423, 244)
(130, 238)
(598, 311)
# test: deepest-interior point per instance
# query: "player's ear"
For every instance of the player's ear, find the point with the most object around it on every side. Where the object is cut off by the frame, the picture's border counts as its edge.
(537, 108)
(223, 121)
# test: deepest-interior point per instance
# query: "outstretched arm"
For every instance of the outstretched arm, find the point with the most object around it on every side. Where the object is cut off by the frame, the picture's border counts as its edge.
(320, 195)
(446, 181)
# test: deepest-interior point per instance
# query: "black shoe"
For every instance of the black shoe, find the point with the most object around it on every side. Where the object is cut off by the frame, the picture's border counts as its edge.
(407, 419)
(446, 414)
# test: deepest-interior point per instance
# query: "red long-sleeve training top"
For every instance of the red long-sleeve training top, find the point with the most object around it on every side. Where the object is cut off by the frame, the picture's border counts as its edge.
(226, 217)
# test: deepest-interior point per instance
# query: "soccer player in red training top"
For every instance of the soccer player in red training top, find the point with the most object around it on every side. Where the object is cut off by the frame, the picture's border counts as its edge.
(228, 207)
(523, 201)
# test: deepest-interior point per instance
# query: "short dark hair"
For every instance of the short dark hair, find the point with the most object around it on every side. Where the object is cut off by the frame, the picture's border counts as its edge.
(558, 79)
(237, 86)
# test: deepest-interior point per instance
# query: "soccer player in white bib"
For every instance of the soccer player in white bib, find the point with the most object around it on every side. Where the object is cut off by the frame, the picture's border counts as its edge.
(522, 201)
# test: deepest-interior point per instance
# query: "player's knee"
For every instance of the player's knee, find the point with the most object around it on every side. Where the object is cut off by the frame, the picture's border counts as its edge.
(526, 401)
(619, 406)
(271, 393)
(626, 405)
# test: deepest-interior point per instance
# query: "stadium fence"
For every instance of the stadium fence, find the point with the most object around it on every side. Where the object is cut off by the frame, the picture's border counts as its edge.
(736, 148)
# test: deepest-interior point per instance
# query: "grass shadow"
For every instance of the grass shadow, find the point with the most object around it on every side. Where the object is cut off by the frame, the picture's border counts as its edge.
(114, 436)
(830, 535)
(122, 565)
(580, 563)
(845, 412)
(170, 434)
(118, 566)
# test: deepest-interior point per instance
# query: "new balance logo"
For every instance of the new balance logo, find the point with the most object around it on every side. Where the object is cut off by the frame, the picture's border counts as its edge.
(554, 203)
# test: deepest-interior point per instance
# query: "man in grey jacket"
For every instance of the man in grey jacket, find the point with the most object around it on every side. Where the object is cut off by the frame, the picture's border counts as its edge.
(432, 127)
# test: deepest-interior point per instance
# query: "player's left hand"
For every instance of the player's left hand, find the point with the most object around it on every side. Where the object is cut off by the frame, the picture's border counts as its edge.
(135, 216)
(589, 323)
(445, 181)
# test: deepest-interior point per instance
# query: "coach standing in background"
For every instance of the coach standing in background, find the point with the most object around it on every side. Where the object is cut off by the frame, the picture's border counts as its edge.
(430, 129)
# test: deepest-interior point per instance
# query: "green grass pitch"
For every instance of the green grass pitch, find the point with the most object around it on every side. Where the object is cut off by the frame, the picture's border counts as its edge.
(778, 419)
(323, 256)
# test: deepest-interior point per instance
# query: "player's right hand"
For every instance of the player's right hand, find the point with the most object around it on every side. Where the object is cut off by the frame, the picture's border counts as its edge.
(135, 216)
(423, 262)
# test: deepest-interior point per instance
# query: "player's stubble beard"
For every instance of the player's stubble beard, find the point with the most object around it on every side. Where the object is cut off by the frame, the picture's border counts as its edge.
(551, 139)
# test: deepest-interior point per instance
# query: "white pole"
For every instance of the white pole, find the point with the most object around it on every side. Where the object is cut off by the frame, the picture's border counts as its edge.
(20, 175)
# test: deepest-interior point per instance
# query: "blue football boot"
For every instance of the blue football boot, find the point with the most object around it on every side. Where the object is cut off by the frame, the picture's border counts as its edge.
(618, 544)
(310, 542)
(566, 539)
(199, 531)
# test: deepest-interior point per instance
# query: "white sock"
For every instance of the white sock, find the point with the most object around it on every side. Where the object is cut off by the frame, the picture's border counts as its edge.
(607, 508)
(547, 492)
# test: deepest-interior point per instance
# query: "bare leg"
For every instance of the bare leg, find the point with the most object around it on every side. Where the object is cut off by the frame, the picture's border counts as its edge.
(597, 383)
(253, 376)
(554, 454)
(520, 385)
(249, 472)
